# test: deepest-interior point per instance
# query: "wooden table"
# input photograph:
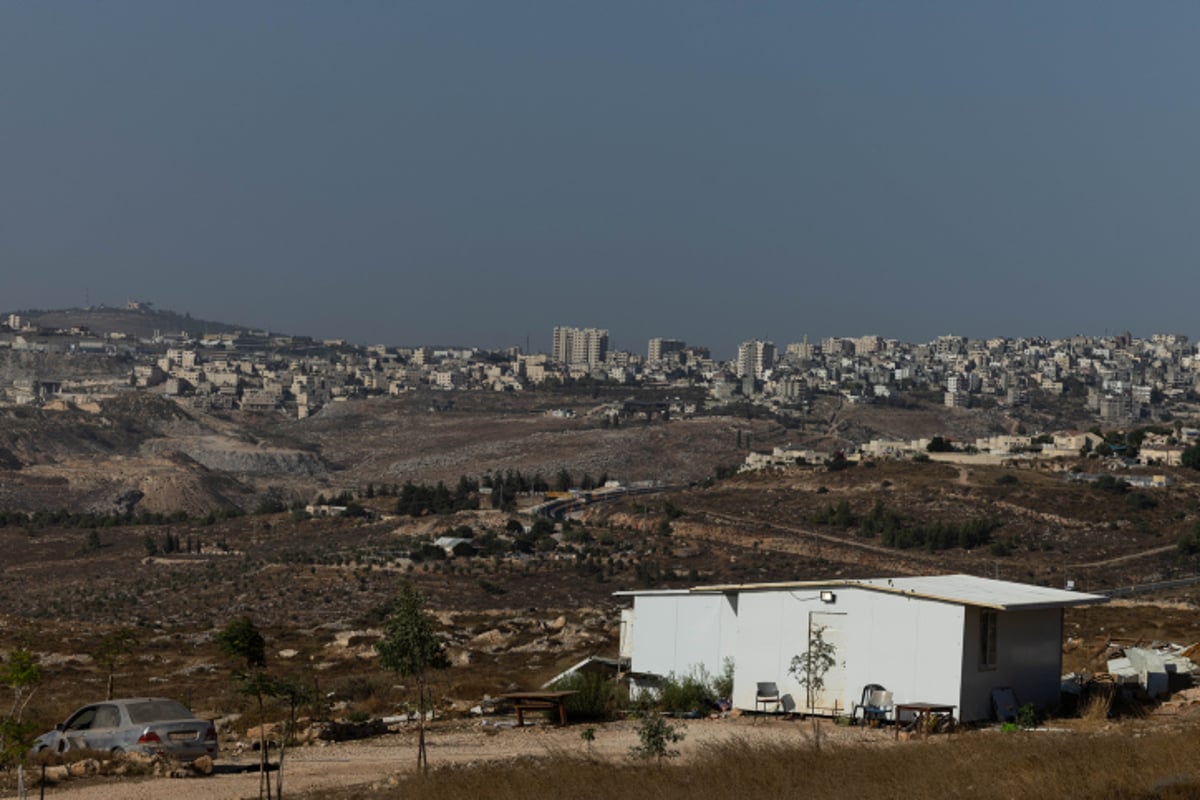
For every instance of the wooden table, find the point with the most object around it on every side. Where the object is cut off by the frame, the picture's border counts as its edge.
(538, 701)
(921, 712)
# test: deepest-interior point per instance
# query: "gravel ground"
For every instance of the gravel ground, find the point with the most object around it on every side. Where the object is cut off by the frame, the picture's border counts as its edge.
(369, 761)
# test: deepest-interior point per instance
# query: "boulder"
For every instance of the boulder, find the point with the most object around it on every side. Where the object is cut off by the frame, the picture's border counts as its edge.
(257, 732)
(57, 773)
(488, 639)
(203, 765)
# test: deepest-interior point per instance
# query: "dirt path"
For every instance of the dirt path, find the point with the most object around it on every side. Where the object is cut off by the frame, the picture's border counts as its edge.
(1154, 551)
(790, 545)
(310, 769)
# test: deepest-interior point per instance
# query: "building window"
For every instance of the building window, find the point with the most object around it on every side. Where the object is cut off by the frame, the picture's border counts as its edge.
(987, 639)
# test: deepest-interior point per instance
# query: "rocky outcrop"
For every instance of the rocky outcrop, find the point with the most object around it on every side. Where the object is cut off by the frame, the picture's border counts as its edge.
(229, 455)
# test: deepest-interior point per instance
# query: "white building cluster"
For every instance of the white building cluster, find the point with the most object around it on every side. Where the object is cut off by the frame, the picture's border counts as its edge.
(1120, 378)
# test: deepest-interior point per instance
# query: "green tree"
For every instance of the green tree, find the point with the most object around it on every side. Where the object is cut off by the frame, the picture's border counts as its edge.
(21, 674)
(1190, 457)
(91, 543)
(811, 666)
(244, 643)
(411, 648)
(1189, 543)
(109, 652)
(270, 505)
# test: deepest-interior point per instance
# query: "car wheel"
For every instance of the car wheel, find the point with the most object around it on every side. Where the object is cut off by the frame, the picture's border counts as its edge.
(117, 751)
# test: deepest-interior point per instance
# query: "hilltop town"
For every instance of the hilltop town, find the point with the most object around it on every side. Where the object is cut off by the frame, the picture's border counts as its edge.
(1082, 380)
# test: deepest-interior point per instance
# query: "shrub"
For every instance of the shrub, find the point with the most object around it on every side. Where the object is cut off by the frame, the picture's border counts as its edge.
(1107, 483)
(696, 692)
(492, 588)
(723, 684)
(655, 737)
(1002, 549)
(597, 696)
(839, 516)
(1189, 543)
(838, 462)
(1140, 501)
(270, 505)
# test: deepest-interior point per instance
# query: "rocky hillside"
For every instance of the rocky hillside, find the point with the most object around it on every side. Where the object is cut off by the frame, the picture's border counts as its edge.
(137, 323)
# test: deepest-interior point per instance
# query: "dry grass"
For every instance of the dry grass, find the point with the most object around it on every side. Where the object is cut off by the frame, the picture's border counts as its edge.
(979, 765)
(1098, 706)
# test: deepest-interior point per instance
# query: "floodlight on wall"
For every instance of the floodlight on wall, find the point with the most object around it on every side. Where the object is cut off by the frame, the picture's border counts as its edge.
(828, 596)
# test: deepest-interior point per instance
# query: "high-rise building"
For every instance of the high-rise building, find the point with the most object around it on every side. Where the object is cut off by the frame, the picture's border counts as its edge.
(659, 349)
(579, 346)
(865, 345)
(801, 350)
(755, 358)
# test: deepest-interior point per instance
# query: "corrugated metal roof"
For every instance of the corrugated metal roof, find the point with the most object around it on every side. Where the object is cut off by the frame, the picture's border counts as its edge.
(967, 590)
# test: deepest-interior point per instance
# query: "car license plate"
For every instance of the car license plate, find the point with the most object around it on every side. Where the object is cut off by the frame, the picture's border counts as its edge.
(181, 736)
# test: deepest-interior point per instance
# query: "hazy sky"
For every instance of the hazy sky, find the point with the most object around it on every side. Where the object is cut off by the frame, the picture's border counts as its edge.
(473, 173)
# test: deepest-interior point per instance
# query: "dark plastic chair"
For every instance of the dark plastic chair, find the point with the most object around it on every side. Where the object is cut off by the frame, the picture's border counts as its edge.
(766, 694)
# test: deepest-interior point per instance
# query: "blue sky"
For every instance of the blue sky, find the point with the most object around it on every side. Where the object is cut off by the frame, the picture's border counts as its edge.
(475, 173)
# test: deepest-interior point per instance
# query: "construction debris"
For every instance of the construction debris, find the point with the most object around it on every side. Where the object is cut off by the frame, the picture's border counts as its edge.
(1159, 670)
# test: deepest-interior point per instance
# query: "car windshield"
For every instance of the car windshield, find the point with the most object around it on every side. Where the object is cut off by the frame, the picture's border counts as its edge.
(155, 710)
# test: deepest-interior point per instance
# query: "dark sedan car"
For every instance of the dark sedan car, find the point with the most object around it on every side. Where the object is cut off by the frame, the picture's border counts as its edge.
(150, 725)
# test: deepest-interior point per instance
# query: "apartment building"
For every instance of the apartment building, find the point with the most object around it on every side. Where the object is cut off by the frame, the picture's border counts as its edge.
(579, 346)
(658, 349)
(755, 358)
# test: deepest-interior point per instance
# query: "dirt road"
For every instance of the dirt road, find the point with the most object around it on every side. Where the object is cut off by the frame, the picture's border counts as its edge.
(376, 760)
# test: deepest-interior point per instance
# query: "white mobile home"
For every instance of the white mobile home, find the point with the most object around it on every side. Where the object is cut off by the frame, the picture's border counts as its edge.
(948, 639)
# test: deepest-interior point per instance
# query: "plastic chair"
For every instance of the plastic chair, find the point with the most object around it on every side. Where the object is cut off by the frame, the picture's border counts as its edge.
(767, 693)
(875, 704)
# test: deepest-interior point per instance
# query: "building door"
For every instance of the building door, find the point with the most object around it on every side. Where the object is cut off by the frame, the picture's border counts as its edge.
(827, 631)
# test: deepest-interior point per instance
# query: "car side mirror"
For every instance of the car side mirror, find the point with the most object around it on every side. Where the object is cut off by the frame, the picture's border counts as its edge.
(60, 727)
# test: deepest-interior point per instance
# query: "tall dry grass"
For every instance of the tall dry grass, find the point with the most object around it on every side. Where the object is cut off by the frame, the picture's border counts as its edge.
(982, 766)
(1097, 708)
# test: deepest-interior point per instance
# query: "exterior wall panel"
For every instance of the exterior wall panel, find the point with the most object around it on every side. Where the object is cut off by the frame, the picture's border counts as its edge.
(676, 633)
(1028, 660)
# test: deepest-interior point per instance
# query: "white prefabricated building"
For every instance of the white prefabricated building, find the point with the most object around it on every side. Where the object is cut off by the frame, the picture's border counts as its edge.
(946, 639)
